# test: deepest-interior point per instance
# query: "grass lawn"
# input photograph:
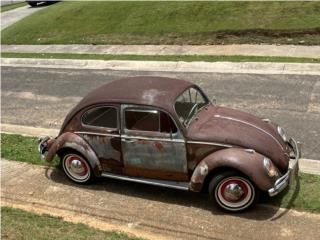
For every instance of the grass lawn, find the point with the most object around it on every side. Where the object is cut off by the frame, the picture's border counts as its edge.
(169, 23)
(17, 224)
(161, 58)
(304, 195)
(23, 149)
(12, 6)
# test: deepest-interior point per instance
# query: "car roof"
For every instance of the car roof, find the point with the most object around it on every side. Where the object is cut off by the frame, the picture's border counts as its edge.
(146, 90)
(160, 92)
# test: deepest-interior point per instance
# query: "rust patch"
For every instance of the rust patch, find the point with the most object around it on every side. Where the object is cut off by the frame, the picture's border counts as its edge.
(159, 146)
(154, 174)
(142, 141)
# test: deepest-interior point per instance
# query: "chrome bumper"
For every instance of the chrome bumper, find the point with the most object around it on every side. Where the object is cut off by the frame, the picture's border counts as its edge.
(42, 146)
(292, 172)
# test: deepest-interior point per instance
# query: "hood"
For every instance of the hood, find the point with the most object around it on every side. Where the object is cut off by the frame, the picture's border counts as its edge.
(229, 126)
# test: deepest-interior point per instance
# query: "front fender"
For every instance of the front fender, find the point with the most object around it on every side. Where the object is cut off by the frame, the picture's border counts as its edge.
(75, 142)
(250, 163)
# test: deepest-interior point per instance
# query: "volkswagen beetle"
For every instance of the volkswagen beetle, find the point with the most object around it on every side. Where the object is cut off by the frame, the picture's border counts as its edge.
(166, 132)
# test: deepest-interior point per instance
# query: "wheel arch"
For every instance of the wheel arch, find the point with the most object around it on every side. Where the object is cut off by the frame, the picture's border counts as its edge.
(215, 172)
(72, 142)
(248, 163)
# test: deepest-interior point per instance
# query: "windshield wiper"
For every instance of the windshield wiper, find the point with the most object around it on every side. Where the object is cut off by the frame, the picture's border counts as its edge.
(190, 116)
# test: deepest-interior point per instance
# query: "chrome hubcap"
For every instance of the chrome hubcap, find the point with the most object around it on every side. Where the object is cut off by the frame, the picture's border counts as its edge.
(233, 192)
(77, 168)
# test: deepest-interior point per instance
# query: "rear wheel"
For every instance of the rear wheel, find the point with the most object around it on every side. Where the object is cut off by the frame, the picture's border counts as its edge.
(232, 191)
(77, 168)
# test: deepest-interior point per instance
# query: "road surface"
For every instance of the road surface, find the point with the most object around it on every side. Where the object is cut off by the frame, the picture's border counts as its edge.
(41, 97)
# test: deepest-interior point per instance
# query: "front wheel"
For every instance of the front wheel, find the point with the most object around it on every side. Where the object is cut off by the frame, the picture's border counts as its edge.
(77, 168)
(233, 191)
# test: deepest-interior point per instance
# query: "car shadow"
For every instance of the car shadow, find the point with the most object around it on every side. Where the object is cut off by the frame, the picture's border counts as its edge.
(260, 212)
(277, 200)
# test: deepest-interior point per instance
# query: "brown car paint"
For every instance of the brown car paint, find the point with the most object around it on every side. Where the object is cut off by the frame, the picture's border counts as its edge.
(217, 137)
(229, 126)
(249, 163)
(73, 141)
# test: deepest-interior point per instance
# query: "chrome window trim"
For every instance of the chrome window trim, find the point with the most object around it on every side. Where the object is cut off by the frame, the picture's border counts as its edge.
(100, 127)
(210, 143)
(124, 107)
(98, 134)
(152, 138)
(133, 109)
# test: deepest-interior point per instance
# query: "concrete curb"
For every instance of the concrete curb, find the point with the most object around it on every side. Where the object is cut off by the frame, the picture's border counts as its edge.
(187, 50)
(28, 131)
(305, 165)
(169, 66)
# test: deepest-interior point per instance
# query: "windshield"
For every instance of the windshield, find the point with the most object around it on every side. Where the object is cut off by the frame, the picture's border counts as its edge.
(188, 104)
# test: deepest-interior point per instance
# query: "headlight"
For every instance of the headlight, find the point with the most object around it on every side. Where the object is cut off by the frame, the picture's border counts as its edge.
(282, 133)
(270, 168)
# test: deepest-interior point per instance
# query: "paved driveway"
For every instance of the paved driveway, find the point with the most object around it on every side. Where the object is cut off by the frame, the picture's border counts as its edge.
(10, 17)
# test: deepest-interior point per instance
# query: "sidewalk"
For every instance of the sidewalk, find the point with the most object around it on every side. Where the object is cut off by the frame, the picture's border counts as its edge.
(169, 66)
(205, 50)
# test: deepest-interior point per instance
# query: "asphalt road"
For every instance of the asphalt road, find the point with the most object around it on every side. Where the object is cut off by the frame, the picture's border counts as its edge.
(42, 97)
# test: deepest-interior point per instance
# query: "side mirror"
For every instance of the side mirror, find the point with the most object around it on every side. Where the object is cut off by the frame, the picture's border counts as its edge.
(213, 101)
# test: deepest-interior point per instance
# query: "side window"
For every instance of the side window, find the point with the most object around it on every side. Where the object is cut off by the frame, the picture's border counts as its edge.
(101, 117)
(166, 124)
(142, 120)
(149, 120)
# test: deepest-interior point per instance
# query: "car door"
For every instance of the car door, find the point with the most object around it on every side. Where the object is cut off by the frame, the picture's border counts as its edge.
(152, 145)
(101, 129)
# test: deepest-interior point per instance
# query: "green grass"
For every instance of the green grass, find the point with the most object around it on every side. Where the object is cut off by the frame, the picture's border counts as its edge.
(161, 58)
(23, 149)
(169, 23)
(12, 6)
(17, 224)
(303, 195)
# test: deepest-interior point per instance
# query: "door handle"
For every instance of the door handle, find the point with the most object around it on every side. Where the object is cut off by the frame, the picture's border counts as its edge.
(128, 140)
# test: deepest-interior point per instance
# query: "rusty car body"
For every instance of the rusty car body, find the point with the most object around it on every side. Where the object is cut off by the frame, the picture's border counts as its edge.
(166, 132)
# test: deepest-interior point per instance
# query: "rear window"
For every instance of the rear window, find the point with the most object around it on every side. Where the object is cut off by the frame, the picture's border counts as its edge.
(101, 117)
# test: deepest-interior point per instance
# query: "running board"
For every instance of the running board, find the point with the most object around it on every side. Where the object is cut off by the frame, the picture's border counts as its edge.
(155, 182)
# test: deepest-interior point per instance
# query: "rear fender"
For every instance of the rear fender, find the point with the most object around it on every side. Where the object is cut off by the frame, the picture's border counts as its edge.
(73, 141)
(248, 162)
